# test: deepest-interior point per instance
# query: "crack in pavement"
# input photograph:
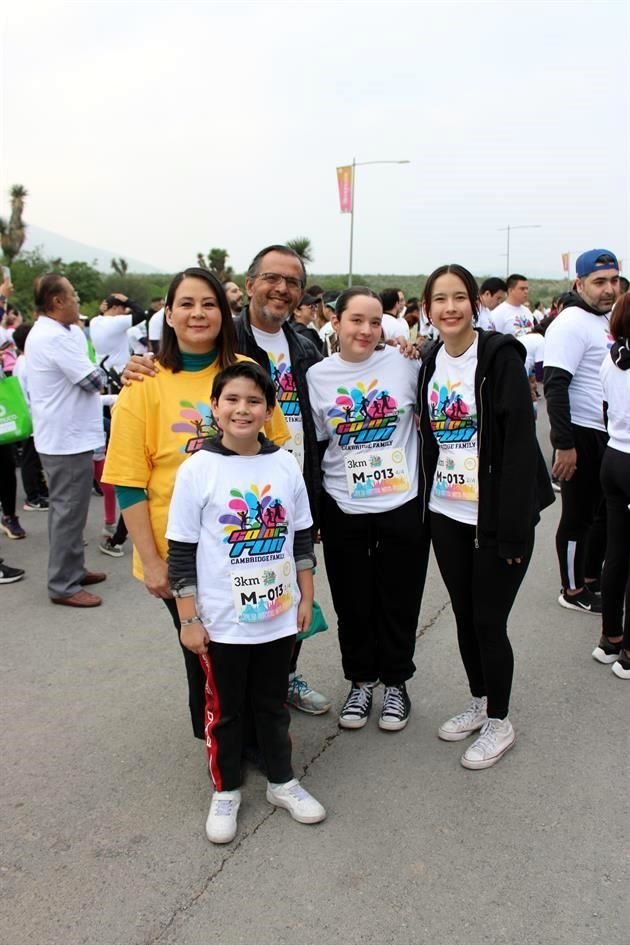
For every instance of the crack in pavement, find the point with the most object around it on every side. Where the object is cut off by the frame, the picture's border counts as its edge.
(327, 742)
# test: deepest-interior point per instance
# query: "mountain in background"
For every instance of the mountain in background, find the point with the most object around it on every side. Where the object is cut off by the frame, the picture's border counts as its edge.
(54, 246)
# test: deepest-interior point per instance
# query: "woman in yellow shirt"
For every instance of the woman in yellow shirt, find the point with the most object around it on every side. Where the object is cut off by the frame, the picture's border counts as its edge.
(157, 424)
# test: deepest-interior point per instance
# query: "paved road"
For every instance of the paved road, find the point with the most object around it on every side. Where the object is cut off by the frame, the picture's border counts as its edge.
(104, 792)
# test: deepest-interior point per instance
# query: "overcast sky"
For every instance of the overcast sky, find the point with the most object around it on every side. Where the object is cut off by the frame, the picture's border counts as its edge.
(160, 129)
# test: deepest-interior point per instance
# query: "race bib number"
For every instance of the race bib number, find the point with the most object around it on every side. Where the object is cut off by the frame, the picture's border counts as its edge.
(262, 593)
(456, 475)
(372, 473)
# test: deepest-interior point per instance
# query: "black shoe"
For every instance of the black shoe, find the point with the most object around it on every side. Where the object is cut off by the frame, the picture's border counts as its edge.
(396, 708)
(584, 601)
(9, 575)
(595, 587)
(358, 705)
(606, 652)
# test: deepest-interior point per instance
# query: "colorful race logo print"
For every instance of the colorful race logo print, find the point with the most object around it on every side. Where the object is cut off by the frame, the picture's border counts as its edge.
(451, 420)
(284, 382)
(256, 524)
(198, 421)
(364, 414)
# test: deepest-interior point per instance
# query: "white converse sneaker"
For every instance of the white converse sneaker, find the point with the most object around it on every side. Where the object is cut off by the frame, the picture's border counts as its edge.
(467, 722)
(293, 797)
(497, 736)
(221, 822)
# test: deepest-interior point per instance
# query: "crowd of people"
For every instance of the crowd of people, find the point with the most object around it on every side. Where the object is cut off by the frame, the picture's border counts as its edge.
(236, 431)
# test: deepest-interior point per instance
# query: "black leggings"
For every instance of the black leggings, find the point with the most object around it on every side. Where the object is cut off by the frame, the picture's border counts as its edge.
(376, 565)
(482, 588)
(581, 535)
(616, 572)
(8, 481)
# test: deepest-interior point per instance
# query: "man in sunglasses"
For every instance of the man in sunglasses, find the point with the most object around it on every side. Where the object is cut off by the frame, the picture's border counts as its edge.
(576, 343)
(275, 285)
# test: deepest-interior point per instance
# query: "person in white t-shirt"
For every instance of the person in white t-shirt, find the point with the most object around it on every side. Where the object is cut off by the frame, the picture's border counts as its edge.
(513, 317)
(155, 330)
(375, 544)
(491, 294)
(108, 332)
(576, 344)
(394, 325)
(483, 481)
(614, 645)
(240, 565)
(65, 387)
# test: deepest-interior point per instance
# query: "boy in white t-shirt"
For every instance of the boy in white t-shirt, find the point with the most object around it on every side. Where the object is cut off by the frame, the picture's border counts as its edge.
(240, 565)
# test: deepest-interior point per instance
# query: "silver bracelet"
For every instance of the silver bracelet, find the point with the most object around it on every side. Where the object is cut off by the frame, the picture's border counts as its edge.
(188, 620)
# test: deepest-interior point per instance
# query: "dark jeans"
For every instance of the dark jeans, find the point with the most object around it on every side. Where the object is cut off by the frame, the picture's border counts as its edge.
(482, 588)
(616, 572)
(240, 677)
(8, 482)
(376, 565)
(195, 675)
(581, 535)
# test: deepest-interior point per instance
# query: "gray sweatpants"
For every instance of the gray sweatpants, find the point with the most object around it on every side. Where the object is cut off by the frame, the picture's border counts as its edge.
(69, 487)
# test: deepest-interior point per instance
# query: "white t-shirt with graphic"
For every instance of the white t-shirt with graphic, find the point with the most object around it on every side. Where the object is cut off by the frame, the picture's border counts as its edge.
(578, 341)
(485, 319)
(276, 347)
(366, 411)
(616, 387)
(243, 512)
(453, 414)
(513, 319)
(108, 334)
(394, 327)
(66, 418)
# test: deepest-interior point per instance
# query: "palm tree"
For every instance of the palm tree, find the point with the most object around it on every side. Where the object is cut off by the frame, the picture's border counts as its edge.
(13, 233)
(303, 247)
(120, 266)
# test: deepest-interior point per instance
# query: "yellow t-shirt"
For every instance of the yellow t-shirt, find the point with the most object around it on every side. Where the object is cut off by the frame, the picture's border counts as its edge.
(156, 424)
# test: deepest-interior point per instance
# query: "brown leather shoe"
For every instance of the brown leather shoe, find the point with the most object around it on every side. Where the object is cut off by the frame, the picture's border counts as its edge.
(92, 577)
(80, 599)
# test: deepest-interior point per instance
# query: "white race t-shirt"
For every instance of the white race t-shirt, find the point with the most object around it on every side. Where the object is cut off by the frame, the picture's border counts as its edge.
(453, 413)
(616, 387)
(512, 319)
(66, 418)
(276, 348)
(134, 336)
(243, 512)
(534, 344)
(578, 341)
(394, 327)
(485, 319)
(155, 325)
(365, 410)
(108, 334)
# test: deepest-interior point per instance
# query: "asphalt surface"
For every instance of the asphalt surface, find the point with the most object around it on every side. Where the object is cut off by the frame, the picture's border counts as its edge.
(105, 793)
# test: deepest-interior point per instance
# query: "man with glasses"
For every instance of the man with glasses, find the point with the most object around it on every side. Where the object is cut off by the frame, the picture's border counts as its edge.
(64, 388)
(275, 285)
(576, 344)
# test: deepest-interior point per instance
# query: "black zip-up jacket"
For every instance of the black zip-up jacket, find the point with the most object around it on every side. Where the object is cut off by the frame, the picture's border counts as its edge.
(303, 355)
(514, 484)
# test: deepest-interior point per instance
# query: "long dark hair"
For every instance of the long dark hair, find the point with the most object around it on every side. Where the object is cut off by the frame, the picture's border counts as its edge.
(472, 289)
(169, 354)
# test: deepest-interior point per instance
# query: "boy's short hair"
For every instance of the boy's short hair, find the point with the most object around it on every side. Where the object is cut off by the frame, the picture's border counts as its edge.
(252, 372)
(20, 335)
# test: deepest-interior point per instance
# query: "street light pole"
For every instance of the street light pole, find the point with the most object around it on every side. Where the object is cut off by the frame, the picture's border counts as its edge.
(509, 228)
(356, 164)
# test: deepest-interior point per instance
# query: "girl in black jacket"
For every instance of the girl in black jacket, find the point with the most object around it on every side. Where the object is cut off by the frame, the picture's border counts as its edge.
(483, 482)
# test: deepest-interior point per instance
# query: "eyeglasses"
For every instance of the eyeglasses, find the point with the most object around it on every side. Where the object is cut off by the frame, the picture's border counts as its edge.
(274, 279)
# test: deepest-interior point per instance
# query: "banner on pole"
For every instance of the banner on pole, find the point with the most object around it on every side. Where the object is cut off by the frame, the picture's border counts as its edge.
(565, 262)
(344, 182)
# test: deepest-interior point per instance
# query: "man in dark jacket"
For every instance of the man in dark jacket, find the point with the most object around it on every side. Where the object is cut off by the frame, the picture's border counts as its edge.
(275, 284)
(576, 344)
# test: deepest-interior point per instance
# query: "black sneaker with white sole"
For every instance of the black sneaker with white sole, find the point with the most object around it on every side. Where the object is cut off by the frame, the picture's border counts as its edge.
(585, 602)
(396, 708)
(605, 651)
(358, 705)
(621, 667)
(9, 575)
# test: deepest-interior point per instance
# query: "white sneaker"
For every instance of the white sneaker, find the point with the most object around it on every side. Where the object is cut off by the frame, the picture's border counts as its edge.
(497, 736)
(461, 726)
(221, 822)
(293, 797)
